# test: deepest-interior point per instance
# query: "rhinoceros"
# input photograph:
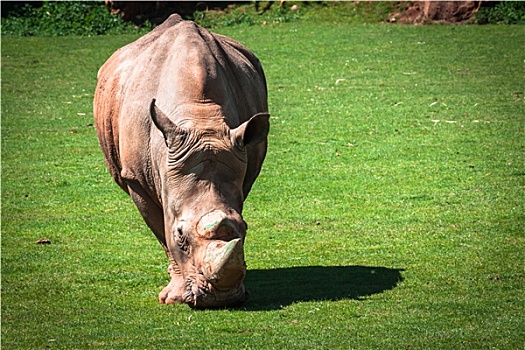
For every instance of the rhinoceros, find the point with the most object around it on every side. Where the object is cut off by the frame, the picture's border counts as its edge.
(182, 119)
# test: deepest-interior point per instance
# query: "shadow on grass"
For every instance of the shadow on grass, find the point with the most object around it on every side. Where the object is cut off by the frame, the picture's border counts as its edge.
(273, 289)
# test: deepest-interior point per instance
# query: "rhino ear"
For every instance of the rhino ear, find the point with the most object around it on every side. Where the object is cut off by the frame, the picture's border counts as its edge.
(170, 130)
(161, 120)
(251, 132)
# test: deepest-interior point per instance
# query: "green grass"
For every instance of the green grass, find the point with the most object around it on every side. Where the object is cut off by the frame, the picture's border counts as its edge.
(388, 215)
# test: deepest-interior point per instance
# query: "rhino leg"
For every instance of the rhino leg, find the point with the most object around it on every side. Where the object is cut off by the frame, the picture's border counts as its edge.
(154, 218)
(149, 209)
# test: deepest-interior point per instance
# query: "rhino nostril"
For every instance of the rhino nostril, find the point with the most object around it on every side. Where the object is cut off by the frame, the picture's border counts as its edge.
(225, 230)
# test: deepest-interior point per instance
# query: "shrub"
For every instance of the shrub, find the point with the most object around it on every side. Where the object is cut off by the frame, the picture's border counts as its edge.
(505, 12)
(244, 16)
(65, 18)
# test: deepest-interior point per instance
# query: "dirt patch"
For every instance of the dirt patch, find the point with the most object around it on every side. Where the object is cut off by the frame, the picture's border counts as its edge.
(421, 12)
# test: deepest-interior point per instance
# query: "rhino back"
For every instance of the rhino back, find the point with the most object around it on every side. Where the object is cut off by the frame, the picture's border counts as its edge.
(177, 63)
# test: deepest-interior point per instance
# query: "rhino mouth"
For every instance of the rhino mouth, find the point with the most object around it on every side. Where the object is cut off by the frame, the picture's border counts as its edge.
(219, 282)
(211, 298)
(201, 294)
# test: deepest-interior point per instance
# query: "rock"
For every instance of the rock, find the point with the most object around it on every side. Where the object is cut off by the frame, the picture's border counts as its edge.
(421, 12)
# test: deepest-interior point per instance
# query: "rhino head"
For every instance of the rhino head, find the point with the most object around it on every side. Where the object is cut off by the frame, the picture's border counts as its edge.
(202, 194)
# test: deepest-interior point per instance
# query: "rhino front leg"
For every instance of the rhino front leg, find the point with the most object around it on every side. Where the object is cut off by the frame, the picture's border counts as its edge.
(154, 218)
(172, 293)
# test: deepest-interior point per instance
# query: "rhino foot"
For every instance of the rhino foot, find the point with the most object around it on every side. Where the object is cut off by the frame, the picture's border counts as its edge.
(172, 293)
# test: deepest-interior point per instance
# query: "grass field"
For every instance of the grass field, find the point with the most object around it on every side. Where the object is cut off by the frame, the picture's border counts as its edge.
(389, 213)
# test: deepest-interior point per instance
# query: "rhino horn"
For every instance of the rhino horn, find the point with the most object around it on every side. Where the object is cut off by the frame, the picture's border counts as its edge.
(216, 225)
(224, 264)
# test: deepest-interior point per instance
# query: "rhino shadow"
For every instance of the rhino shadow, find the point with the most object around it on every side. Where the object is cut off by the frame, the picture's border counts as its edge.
(275, 288)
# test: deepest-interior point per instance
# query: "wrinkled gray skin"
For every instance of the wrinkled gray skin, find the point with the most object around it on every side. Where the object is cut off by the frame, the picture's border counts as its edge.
(181, 116)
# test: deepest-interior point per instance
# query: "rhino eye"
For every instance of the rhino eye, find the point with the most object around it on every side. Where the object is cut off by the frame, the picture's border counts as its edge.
(181, 240)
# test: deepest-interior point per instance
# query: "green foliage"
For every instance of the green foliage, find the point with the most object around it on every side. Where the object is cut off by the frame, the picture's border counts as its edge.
(58, 18)
(270, 13)
(388, 214)
(87, 18)
(245, 15)
(504, 12)
(347, 12)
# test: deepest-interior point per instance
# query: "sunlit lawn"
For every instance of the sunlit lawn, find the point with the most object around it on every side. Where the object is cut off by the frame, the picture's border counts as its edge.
(389, 213)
